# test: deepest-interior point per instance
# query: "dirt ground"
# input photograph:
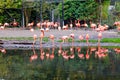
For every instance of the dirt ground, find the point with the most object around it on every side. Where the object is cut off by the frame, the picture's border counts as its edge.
(58, 34)
(27, 33)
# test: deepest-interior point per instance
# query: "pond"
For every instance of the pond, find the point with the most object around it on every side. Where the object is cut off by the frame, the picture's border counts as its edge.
(68, 63)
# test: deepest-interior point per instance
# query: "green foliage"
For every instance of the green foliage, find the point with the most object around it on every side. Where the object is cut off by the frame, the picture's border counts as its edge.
(105, 6)
(9, 10)
(85, 10)
(116, 11)
(10, 4)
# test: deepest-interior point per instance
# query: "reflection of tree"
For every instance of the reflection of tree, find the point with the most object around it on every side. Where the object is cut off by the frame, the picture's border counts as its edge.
(3, 66)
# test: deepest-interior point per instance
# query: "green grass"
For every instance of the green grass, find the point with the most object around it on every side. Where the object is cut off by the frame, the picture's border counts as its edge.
(111, 40)
(16, 38)
(46, 39)
(104, 40)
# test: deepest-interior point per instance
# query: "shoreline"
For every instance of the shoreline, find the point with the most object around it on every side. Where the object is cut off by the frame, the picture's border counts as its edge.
(29, 45)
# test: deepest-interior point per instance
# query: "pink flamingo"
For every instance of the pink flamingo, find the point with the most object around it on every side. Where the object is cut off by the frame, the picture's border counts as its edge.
(87, 39)
(39, 25)
(41, 36)
(52, 38)
(30, 25)
(117, 24)
(34, 56)
(118, 28)
(64, 38)
(41, 50)
(72, 48)
(99, 52)
(72, 36)
(47, 29)
(81, 37)
(71, 25)
(15, 23)
(32, 30)
(2, 27)
(6, 24)
(78, 24)
(93, 26)
(34, 37)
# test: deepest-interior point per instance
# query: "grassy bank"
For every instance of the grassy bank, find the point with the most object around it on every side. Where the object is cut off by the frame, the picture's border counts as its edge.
(46, 39)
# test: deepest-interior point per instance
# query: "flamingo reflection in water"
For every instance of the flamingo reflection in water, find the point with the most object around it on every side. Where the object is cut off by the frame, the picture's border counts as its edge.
(3, 50)
(80, 55)
(65, 55)
(64, 39)
(42, 53)
(117, 50)
(69, 54)
(47, 54)
(87, 56)
(53, 48)
(101, 53)
(72, 56)
(34, 56)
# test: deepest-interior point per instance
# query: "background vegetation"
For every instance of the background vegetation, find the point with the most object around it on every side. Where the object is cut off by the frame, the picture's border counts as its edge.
(73, 10)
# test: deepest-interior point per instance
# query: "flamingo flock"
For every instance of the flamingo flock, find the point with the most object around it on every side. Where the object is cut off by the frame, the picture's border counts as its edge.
(99, 52)
(56, 25)
(67, 54)
(70, 53)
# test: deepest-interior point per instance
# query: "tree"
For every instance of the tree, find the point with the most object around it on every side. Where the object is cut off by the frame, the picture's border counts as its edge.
(83, 10)
(102, 9)
(116, 11)
(6, 4)
(10, 9)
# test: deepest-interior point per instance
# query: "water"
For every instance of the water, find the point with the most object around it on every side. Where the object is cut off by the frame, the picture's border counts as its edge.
(67, 65)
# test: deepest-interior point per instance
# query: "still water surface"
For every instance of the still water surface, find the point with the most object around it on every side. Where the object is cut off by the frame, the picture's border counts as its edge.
(68, 63)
